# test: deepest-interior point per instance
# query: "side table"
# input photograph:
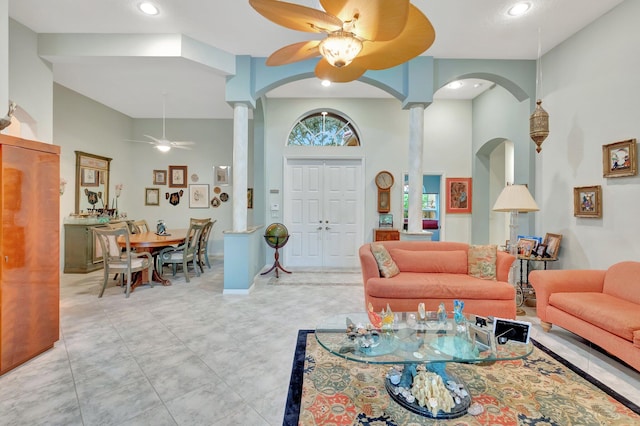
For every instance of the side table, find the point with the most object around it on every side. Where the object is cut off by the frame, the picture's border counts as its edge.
(526, 291)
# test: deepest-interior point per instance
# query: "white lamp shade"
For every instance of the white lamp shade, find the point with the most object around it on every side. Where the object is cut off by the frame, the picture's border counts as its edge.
(515, 198)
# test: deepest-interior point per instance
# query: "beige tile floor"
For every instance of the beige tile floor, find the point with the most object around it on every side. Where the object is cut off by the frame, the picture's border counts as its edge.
(189, 355)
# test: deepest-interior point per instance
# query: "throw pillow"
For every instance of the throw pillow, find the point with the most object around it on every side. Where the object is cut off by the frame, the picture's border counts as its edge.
(481, 261)
(386, 265)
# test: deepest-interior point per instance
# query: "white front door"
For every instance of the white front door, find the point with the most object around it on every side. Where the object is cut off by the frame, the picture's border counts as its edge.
(324, 212)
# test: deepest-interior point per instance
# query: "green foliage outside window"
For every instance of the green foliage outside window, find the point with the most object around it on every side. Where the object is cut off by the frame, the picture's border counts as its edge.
(323, 129)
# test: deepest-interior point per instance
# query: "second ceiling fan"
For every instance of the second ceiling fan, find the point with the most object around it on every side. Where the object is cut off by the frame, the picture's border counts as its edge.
(361, 35)
(163, 144)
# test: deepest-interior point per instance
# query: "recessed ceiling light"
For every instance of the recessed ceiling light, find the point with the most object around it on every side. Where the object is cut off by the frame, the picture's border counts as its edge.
(455, 85)
(519, 9)
(148, 8)
(326, 83)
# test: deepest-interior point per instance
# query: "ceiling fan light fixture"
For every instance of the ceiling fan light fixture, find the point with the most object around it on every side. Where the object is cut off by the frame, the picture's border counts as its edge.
(148, 8)
(163, 148)
(340, 48)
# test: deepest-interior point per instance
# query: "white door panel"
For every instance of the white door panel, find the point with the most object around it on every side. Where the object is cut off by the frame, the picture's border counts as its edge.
(323, 211)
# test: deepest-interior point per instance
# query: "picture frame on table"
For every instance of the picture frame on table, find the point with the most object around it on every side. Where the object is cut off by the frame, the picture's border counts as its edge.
(385, 220)
(152, 196)
(199, 196)
(159, 177)
(552, 242)
(526, 246)
(587, 201)
(458, 191)
(541, 250)
(177, 176)
(89, 177)
(222, 175)
(619, 159)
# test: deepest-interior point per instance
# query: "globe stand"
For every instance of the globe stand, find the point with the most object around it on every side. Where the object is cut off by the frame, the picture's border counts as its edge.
(276, 243)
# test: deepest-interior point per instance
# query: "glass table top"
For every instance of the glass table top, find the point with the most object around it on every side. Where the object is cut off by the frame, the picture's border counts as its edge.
(413, 341)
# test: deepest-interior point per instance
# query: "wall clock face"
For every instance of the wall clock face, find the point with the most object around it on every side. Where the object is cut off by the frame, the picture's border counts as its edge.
(384, 180)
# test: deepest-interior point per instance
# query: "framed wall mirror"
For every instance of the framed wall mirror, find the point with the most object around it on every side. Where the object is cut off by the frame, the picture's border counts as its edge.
(92, 183)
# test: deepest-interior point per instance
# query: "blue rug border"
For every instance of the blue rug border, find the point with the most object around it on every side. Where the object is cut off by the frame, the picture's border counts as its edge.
(294, 396)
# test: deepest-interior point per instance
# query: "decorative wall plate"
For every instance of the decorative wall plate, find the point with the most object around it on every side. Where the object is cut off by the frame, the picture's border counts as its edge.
(215, 202)
(224, 197)
(217, 190)
(194, 178)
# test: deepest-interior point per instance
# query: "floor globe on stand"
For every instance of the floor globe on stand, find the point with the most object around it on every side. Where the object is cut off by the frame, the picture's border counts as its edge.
(276, 235)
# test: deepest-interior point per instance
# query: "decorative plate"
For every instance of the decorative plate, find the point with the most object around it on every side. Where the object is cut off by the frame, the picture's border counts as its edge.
(217, 190)
(194, 178)
(215, 202)
(224, 197)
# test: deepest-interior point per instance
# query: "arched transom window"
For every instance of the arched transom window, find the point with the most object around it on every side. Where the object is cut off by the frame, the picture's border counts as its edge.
(323, 128)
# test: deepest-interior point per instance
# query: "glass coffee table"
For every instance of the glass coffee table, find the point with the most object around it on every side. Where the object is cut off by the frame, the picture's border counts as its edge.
(418, 352)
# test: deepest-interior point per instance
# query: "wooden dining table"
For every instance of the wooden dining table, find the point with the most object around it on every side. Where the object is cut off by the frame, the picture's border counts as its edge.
(151, 242)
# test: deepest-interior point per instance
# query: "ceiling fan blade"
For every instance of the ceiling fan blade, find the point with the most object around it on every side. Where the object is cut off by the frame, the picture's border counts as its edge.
(294, 53)
(325, 71)
(378, 20)
(180, 147)
(180, 143)
(417, 36)
(296, 17)
(149, 142)
(153, 139)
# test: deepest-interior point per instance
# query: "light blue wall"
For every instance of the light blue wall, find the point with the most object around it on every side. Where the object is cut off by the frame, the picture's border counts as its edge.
(590, 89)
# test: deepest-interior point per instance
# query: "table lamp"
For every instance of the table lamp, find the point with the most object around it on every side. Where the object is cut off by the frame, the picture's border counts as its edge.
(515, 199)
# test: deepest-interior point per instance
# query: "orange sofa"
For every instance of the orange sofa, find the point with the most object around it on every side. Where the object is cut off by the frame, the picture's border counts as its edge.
(434, 272)
(602, 306)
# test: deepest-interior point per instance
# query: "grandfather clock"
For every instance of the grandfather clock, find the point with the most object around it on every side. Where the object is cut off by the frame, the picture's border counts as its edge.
(384, 182)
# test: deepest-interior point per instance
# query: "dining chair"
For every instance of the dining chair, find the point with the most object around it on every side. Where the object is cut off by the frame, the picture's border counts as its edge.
(199, 221)
(182, 254)
(119, 225)
(203, 245)
(141, 226)
(124, 262)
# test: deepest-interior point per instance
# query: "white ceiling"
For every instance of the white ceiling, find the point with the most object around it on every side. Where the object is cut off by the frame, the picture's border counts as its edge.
(464, 29)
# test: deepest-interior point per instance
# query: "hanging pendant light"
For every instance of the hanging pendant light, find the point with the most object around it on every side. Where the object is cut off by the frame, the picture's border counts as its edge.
(539, 125)
(539, 120)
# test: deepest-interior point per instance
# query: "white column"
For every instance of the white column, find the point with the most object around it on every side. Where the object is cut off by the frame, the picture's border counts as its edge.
(416, 137)
(240, 165)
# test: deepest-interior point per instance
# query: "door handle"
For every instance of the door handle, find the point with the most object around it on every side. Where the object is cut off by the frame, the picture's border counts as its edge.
(327, 228)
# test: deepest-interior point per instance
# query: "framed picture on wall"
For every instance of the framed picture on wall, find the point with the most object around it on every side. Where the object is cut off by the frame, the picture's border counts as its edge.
(199, 196)
(159, 177)
(249, 198)
(151, 196)
(587, 201)
(177, 176)
(89, 177)
(619, 159)
(222, 175)
(458, 195)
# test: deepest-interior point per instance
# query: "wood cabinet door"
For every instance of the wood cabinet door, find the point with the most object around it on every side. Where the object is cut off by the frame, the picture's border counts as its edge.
(29, 262)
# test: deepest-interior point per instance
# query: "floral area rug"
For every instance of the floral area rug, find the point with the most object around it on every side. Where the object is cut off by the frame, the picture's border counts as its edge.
(538, 390)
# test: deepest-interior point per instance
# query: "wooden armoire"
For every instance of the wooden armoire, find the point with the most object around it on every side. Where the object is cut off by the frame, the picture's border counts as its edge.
(30, 245)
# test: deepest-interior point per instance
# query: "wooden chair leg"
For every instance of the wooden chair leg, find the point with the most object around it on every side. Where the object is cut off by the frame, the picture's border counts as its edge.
(546, 326)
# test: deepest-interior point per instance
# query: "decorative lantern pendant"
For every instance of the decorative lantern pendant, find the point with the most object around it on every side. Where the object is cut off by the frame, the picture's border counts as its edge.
(539, 125)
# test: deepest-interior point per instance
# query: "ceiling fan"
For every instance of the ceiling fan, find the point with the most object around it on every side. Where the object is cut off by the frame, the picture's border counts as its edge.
(361, 35)
(163, 144)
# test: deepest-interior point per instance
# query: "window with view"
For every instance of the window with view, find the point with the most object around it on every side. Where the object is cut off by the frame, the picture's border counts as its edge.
(323, 129)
